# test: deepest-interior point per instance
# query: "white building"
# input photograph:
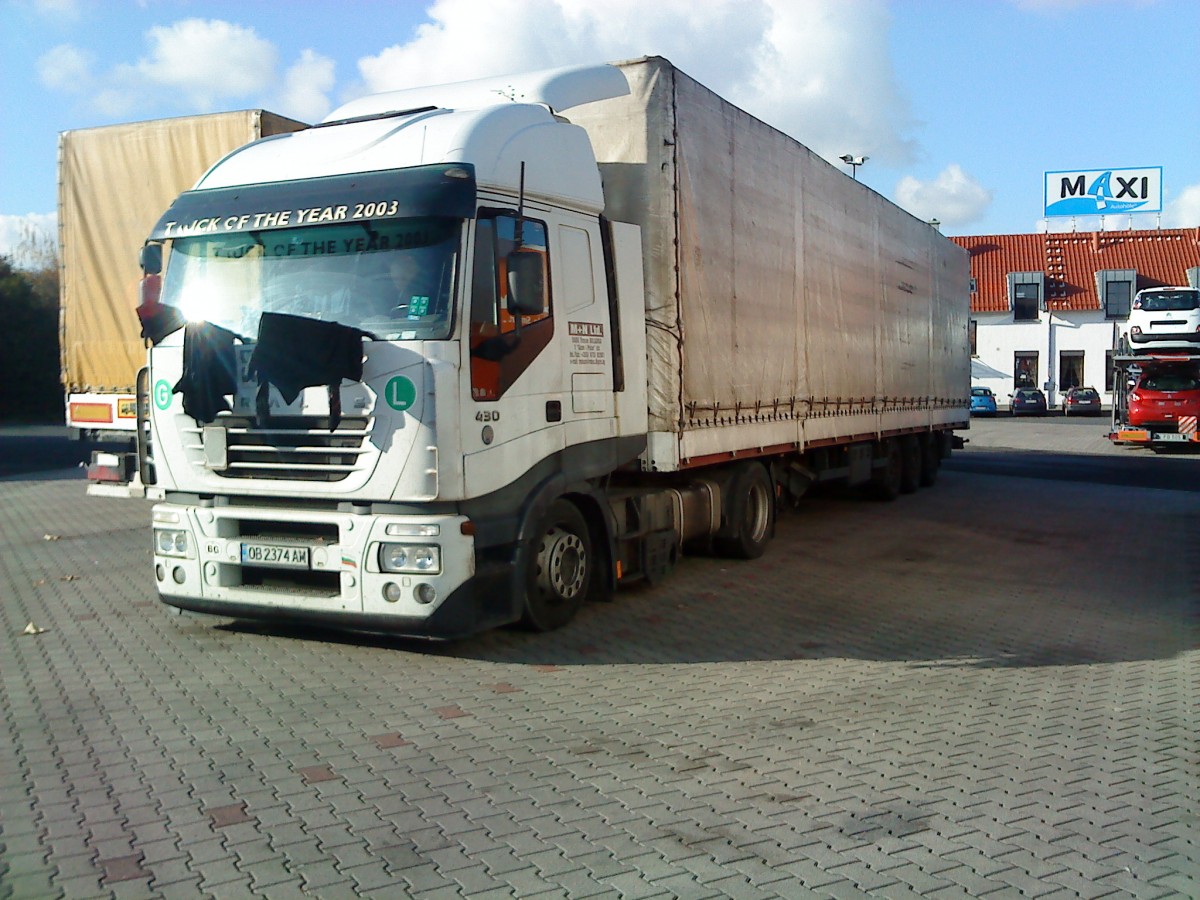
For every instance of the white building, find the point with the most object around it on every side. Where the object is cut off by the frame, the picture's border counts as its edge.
(1046, 308)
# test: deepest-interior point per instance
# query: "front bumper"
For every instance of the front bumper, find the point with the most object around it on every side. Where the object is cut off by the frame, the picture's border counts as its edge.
(340, 584)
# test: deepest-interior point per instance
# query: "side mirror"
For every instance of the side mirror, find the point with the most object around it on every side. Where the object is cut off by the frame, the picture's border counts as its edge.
(526, 282)
(150, 259)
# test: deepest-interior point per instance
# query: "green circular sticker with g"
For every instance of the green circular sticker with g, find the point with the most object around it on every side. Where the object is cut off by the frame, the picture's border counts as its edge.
(162, 394)
(400, 393)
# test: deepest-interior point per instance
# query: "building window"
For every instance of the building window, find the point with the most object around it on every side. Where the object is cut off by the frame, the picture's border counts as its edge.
(1026, 302)
(972, 329)
(1025, 369)
(974, 286)
(1070, 369)
(1117, 297)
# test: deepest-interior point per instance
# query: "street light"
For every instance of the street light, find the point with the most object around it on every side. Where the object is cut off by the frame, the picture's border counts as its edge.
(854, 162)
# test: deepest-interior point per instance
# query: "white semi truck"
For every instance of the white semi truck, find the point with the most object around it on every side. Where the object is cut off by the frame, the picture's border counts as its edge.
(470, 354)
(113, 183)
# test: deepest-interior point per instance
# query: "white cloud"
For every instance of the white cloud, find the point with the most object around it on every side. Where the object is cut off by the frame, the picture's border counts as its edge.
(59, 10)
(207, 61)
(823, 74)
(1184, 212)
(306, 87)
(953, 197)
(65, 68)
(21, 234)
(818, 70)
(194, 65)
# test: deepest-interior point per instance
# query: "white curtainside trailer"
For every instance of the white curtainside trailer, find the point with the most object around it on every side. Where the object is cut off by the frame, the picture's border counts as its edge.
(469, 354)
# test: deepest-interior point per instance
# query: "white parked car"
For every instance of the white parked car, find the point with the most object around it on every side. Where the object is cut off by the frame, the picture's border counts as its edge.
(1165, 318)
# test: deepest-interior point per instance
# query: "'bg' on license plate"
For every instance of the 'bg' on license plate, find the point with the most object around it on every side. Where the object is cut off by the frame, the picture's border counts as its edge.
(279, 555)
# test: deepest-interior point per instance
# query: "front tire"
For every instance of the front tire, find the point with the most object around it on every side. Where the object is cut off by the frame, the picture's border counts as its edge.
(560, 568)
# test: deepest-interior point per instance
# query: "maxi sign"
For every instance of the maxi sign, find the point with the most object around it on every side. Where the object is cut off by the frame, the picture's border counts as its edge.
(1099, 192)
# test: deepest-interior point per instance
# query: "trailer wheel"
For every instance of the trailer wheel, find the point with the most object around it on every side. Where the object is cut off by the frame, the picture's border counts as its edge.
(750, 523)
(910, 468)
(885, 481)
(931, 458)
(560, 570)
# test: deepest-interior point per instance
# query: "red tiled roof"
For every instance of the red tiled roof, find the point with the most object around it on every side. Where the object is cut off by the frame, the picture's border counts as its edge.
(1070, 261)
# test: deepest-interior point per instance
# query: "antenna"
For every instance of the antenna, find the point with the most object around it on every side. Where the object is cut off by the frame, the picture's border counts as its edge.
(520, 236)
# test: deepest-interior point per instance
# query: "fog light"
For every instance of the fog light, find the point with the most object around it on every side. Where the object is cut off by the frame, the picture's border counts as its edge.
(160, 573)
(170, 542)
(424, 558)
(425, 593)
(178, 575)
(391, 592)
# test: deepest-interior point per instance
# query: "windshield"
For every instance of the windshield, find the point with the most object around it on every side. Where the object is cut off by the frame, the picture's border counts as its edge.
(394, 278)
(1165, 301)
(1170, 382)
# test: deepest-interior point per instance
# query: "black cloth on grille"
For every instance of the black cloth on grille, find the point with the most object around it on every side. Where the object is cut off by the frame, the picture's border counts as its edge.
(294, 352)
(209, 370)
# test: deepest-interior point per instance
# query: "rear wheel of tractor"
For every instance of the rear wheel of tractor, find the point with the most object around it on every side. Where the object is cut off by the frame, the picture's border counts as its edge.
(750, 522)
(910, 468)
(885, 481)
(931, 458)
(561, 568)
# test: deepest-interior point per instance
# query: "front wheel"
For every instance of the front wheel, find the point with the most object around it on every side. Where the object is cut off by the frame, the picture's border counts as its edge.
(560, 569)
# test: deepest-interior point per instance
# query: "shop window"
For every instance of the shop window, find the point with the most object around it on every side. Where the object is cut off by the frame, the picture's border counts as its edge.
(1070, 369)
(1025, 369)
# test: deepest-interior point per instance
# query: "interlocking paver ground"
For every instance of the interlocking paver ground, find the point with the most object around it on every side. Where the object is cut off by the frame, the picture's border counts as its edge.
(959, 694)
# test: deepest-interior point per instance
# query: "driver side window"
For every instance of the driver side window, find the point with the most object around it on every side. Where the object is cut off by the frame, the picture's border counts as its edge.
(503, 344)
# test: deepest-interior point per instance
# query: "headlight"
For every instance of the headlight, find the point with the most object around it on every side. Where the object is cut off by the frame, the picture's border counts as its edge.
(169, 542)
(423, 558)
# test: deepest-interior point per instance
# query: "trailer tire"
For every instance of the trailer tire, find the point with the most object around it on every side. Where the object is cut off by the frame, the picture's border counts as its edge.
(931, 458)
(910, 469)
(750, 523)
(560, 568)
(885, 480)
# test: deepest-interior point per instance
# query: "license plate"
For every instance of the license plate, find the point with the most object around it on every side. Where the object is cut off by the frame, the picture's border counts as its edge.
(280, 556)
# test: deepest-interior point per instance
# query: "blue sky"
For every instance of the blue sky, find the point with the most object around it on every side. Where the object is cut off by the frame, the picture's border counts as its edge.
(960, 105)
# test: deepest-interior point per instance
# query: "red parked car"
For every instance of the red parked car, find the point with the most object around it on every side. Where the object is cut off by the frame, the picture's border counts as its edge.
(1160, 398)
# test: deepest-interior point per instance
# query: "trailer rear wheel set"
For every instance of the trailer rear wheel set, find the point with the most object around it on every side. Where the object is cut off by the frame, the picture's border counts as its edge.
(564, 567)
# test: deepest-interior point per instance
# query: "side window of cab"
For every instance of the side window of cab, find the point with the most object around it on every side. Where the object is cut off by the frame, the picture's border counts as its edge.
(511, 318)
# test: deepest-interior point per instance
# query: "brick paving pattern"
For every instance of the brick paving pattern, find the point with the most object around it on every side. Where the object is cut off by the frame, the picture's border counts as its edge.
(961, 694)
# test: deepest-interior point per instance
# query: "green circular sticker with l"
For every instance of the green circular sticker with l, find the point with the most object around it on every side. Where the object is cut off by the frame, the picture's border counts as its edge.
(162, 394)
(400, 393)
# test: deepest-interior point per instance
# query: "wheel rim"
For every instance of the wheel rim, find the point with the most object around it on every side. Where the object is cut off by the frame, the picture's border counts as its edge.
(562, 565)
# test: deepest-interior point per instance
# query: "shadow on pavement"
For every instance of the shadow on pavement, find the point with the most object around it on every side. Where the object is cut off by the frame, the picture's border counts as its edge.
(904, 582)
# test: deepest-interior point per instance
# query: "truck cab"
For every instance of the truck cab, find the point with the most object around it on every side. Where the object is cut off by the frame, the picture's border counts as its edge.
(399, 338)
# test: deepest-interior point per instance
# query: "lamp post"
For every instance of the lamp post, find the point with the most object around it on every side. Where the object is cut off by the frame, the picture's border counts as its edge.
(854, 162)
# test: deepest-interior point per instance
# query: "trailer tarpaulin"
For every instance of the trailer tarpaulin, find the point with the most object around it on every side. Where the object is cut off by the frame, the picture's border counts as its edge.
(778, 290)
(114, 183)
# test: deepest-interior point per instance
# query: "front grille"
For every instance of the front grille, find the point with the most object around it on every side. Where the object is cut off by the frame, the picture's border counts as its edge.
(290, 448)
